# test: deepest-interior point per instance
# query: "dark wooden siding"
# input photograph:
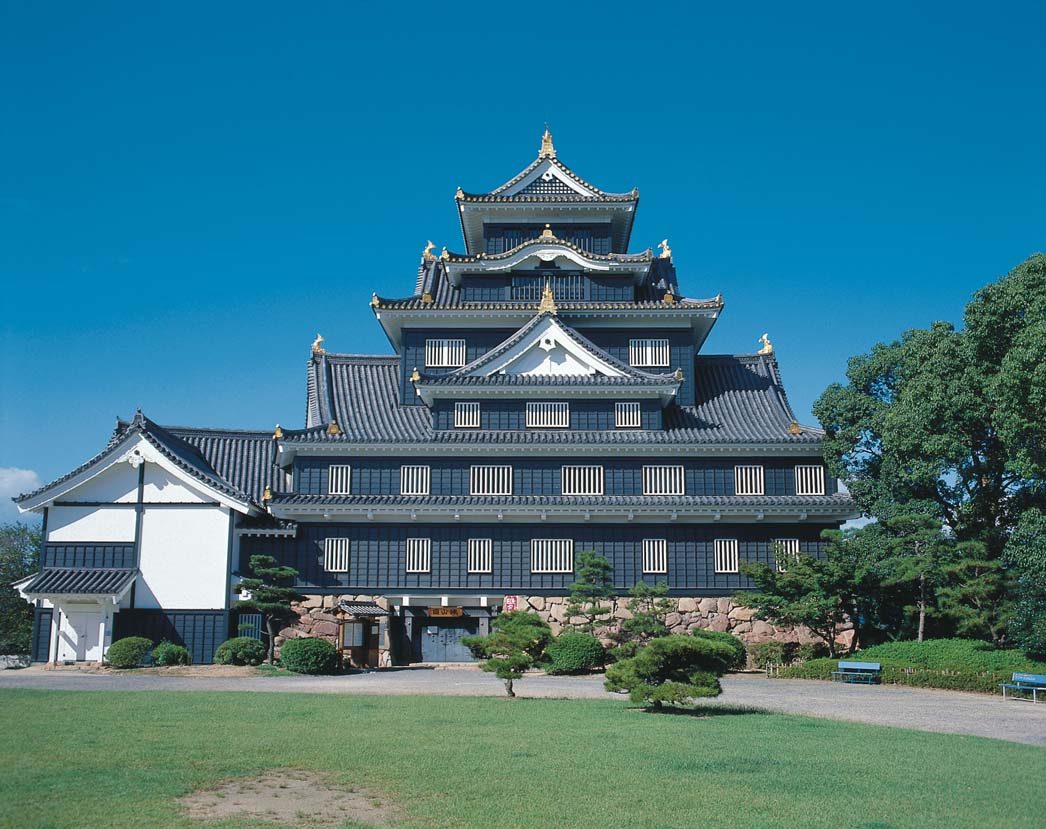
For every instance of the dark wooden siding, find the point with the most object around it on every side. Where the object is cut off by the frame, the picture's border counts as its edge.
(89, 554)
(201, 631)
(499, 238)
(42, 634)
(585, 415)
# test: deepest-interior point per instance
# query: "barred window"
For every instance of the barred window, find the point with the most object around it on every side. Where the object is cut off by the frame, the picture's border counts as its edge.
(466, 415)
(664, 480)
(653, 352)
(786, 550)
(339, 480)
(444, 353)
(419, 555)
(809, 479)
(480, 555)
(582, 480)
(545, 415)
(627, 415)
(490, 480)
(748, 479)
(414, 480)
(726, 555)
(551, 555)
(655, 555)
(336, 555)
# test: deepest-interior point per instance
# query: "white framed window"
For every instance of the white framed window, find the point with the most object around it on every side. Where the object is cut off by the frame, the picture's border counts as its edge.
(490, 480)
(628, 415)
(655, 555)
(336, 555)
(653, 352)
(551, 555)
(582, 480)
(481, 555)
(785, 550)
(419, 555)
(548, 415)
(415, 480)
(726, 555)
(466, 415)
(664, 480)
(748, 479)
(444, 353)
(809, 479)
(339, 479)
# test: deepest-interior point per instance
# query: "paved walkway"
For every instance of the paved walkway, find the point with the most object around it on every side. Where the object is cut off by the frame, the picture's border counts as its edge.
(921, 709)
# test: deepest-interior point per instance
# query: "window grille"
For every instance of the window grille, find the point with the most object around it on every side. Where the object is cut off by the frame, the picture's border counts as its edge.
(655, 555)
(466, 415)
(648, 353)
(490, 480)
(551, 555)
(414, 480)
(785, 551)
(419, 555)
(339, 480)
(582, 480)
(444, 353)
(664, 480)
(480, 555)
(748, 479)
(726, 555)
(809, 479)
(336, 555)
(548, 415)
(627, 415)
(352, 635)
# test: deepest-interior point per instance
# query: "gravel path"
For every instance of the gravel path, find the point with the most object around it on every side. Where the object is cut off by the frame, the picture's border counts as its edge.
(921, 709)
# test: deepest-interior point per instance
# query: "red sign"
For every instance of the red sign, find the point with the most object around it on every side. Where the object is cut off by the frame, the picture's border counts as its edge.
(511, 603)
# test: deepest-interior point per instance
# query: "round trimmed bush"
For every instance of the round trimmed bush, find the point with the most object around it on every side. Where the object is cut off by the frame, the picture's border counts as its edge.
(168, 653)
(574, 653)
(240, 650)
(309, 656)
(740, 653)
(129, 652)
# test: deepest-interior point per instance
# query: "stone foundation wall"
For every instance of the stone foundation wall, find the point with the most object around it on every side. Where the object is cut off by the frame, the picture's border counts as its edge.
(318, 618)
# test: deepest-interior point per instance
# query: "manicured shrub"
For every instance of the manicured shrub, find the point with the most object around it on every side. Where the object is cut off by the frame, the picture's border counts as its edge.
(574, 653)
(240, 650)
(129, 652)
(737, 647)
(673, 670)
(771, 653)
(168, 653)
(309, 656)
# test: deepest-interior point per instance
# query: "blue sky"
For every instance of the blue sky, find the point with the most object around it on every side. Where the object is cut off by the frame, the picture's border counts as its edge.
(188, 195)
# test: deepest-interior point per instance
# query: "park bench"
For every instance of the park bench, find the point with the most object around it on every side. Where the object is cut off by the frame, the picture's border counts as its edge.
(1026, 683)
(864, 672)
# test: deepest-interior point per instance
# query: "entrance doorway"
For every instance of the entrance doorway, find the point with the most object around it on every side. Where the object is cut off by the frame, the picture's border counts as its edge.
(440, 639)
(359, 641)
(79, 637)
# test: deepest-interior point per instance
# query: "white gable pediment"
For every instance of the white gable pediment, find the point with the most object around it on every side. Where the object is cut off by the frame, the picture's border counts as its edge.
(548, 350)
(550, 173)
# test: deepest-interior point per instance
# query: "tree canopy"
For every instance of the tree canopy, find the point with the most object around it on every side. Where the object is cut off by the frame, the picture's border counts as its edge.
(516, 641)
(269, 591)
(19, 557)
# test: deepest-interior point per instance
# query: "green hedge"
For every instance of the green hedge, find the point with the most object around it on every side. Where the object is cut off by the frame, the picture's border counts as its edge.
(168, 653)
(309, 656)
(129, 652)
(574, 653)
(240, 650)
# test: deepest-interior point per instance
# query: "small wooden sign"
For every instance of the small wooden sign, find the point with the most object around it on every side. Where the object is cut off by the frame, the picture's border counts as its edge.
(445, 612)
(511, 603)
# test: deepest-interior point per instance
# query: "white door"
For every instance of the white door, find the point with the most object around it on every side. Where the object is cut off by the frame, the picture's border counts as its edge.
(80, 636)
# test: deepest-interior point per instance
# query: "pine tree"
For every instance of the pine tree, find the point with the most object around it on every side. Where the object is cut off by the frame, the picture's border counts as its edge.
(648, 606)
(270, 593)
(594, 584)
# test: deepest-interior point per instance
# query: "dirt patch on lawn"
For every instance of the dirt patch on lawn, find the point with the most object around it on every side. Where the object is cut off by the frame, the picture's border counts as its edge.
(213, 671)
(292, 797)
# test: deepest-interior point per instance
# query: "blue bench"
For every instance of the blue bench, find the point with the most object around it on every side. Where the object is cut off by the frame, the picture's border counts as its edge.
(866, 673)
(1025, 683)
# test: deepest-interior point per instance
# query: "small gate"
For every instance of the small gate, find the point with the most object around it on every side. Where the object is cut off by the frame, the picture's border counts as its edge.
(440, 639)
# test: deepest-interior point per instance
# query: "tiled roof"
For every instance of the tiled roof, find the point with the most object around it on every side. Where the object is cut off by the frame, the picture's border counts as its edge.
(83, 581)
(533, 194)
(362, 609)
(594, 501)
(540, 241)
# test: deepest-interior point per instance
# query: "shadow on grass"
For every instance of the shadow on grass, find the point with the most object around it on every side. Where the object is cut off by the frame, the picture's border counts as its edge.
(705, 711)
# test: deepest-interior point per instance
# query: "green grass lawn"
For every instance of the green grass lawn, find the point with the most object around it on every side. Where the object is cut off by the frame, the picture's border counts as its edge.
(76, 759)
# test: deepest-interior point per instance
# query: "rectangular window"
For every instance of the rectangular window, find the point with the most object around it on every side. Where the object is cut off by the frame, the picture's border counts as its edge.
(664, 480)
(352, 635)
(654, 353)
(582, 480)
(419, 555)
(490, 480)
(551, 555)
(414, 480)
(480, 555)
(339, 480)
(809, 479)
(336, 555)
(444, 353)
(785, 551)
(548, 415)
(655, 555)
(726, 555)
(748, 479)
(628, 415)
(466, 415)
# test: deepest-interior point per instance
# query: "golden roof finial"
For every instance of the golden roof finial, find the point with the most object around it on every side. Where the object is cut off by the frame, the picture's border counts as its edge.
(547, 233)
(719, 298)
(666, 251)
(317, 345)
(278, 433)
(678, 374)
(427, 253)
(670, 298)
(267, 495)
(548, 299)
(547, 150)
(374, 301)
(415, 375)
(426, 298)
(794, 428)
(460, 194)
(333, 428)
(444, 254)
(768, 347)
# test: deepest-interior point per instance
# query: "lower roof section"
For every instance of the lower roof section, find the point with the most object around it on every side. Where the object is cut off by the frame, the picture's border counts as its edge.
(82, 582)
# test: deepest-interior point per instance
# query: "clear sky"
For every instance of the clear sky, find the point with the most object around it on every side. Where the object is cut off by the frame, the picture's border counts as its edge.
(188, 195)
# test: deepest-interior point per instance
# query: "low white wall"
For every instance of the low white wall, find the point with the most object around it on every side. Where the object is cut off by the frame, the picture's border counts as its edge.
(184, 558)
(91, 523)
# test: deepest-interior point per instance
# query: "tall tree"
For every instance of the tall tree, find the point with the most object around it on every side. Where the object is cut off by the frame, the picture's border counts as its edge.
(1025, 555)
(516, 641)
(19, 557)
(593, 585)
(269, 591)
(648, 607)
